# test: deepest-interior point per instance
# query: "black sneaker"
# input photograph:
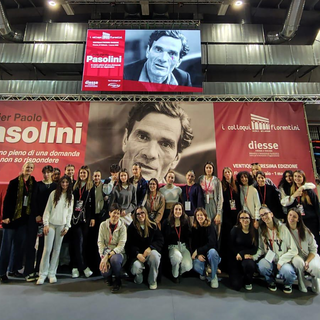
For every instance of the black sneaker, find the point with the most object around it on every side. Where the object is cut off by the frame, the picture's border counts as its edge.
(108, 281)
(4, 279)
(32, 277)
(116, 288)
(287, 288)
(272, 287)
(15, 274)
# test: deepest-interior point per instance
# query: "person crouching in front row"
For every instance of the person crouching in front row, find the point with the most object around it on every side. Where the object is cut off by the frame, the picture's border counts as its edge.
(111, 241)
(145, 242)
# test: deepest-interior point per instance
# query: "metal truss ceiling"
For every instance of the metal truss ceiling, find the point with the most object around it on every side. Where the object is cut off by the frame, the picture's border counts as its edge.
(310, 99)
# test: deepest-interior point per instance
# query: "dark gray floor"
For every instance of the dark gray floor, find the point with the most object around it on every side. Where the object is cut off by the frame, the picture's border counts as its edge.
(90, 299)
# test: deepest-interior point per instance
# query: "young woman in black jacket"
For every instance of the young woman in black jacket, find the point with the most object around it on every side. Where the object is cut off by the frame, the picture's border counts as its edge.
(177, 235)
(83, 217)
(244, 244)
(144, 246)
(204, 247)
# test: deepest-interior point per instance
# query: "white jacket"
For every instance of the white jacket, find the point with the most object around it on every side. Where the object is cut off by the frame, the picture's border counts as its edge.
(115, 241)
(289, 200)
(60, 214)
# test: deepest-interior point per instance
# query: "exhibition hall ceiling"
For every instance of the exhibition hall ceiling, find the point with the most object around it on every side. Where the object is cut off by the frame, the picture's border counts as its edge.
(270, 13)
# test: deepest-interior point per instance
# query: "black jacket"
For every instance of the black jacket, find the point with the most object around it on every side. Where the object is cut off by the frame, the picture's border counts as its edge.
(171, 236)
(204, 239)
(10, 201)
(141, 189)
(136, 244)
(89, 204)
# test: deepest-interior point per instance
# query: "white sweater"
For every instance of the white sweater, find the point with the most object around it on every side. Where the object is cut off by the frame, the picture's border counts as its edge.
(308, 245)
(283, 246)
(60, 214)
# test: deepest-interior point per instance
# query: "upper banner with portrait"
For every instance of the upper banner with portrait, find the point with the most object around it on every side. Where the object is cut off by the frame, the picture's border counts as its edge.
(143, 61)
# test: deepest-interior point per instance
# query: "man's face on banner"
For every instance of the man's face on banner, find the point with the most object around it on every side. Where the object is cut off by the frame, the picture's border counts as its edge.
(163, 57)
(153, 143)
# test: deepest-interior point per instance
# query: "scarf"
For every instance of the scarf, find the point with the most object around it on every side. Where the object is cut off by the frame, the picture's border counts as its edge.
(20, 197)
(99, 198)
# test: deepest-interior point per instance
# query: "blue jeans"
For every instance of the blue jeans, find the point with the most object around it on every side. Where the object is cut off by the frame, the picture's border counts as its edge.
(212, 258)
(13, 243)
(270, 271)
(115, 266)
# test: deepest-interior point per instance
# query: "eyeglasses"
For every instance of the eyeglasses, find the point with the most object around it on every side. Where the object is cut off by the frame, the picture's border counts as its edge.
(244, 218)
(264, 214)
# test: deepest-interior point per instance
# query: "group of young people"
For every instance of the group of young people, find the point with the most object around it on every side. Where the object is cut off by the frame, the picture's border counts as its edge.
(239, 225)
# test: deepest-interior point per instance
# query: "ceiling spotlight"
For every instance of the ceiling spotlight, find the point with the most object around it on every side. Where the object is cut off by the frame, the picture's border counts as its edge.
(238, 3)
(52, 3)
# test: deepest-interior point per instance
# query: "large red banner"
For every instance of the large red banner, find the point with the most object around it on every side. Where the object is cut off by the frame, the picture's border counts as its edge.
(272, 134)
(46, 133)
(55, 133)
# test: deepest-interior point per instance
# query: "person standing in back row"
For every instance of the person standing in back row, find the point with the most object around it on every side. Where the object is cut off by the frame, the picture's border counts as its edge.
(17, 208)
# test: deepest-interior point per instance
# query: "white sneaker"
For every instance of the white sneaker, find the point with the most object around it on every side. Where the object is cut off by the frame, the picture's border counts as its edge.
(214, 283)
(315, 285)
(87, 272)
(41, 280)
(302, 288)
(248, 287)
(153, 286)
(202, 278)
(75, 273)
(138, 279)
(53, 279)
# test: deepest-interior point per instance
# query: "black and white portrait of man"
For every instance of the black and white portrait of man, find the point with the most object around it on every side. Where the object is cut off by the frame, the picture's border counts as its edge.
(158, 135)
(165, 57)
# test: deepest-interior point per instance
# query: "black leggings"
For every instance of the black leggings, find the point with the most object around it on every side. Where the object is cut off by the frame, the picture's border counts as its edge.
(242, 273)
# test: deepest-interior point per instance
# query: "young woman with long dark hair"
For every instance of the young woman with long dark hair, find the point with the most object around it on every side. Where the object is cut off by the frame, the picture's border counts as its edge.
(204, 246)
(308, 260)
(230, 209)
(124, 195)
(56, 221)
(269, 196)
(285, 183)
(249, 196)
(213, 197)
(154, 202)
(83, 217)
(243, 245)
(144, 246)
(177, 234)
(277, 249)
(303, 197)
